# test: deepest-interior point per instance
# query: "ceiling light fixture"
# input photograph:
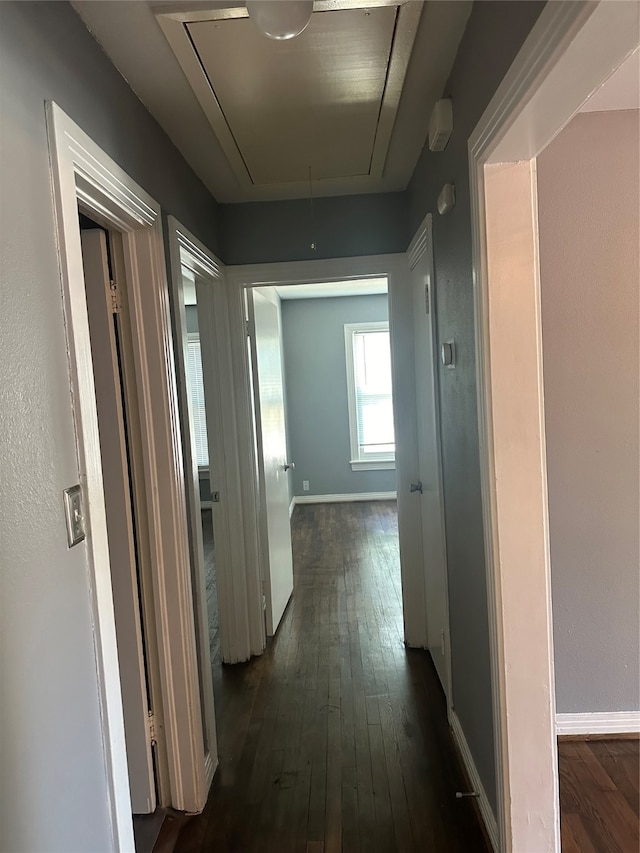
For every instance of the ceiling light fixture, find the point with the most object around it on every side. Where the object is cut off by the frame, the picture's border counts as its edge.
(280, 19)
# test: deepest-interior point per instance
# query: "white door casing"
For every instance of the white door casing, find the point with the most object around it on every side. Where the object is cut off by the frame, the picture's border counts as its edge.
(394, 268)
(266, 344)
(186, 252)
(429, 473)
(571, 50)
(115, 470)
(83, 175)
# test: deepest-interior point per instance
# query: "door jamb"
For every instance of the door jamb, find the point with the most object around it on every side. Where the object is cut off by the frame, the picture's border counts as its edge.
(422, 243)
(571, 49)
(185, 250)
(394, 266)
(83, 174)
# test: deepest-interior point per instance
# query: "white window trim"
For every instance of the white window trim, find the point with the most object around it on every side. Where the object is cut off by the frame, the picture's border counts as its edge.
(195, 336)
(375, 462)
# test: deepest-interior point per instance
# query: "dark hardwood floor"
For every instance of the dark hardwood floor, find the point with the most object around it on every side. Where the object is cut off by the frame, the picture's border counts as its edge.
(336, 738)
(599, 796)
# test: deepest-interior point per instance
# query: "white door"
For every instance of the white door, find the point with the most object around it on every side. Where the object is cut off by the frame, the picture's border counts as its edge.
(429, 475)
(104, 331)
(272, 454)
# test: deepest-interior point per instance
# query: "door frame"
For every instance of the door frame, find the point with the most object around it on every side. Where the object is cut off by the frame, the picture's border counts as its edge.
(185, 250)
(271, 296)
(394, 267)
(421, 244)
(570, 51)
(83, 175)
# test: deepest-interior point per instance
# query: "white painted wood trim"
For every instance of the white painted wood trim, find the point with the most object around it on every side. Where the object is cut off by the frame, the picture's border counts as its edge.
(242, 446)
(168, 529)
(486, 811)
(421, 244)
(571, 49)
(292, 505)
(597, 723)
(373, 464)
(186, 251)
(352, 498)
(64, 156)
(84, 175)
(394, 267)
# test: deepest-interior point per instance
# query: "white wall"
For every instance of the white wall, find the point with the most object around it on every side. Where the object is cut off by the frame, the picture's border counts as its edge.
(589, 202)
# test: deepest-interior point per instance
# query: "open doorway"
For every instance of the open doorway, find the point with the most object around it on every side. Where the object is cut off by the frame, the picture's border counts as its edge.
(322, 396)
(124, 493)
(84, 176)
(554, 74)
(393, 269)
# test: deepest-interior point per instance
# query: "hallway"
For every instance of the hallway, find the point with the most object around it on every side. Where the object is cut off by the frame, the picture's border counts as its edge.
(336, 738)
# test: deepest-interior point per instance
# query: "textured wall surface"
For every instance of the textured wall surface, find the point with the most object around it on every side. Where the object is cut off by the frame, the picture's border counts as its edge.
(53, 775)
(341, 227)
(494, 34)
(589, 202)
(316, 382)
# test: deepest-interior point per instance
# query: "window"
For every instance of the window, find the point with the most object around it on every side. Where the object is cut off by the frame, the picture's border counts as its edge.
(195, 390)
(368, 357)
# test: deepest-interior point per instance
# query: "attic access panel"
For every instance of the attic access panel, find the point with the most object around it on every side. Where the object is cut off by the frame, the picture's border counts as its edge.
(321, 105)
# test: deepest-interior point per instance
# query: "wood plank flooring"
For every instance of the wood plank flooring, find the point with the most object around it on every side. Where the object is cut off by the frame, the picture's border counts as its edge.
(599, 796)
(336, 738)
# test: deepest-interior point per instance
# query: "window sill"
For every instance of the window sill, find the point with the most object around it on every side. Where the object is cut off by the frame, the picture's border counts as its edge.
(373, 464)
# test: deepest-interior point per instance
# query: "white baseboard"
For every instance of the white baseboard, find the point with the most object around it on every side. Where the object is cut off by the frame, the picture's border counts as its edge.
(335, 499)
(206, 504)
(485, 808)
(608, 723)
(292, 505)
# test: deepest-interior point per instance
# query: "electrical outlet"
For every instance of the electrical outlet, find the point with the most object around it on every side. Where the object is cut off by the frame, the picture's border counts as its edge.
(305, 485)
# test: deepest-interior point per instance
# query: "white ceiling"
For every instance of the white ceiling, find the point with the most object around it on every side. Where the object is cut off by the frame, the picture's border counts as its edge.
(356, 287)
(351, 97)
(360, 287)
(621, 91)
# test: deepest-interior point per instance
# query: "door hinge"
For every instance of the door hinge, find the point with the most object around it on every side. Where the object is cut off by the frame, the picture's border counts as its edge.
(151, 722)
(115, 297)
(247, 328)
(426, 298)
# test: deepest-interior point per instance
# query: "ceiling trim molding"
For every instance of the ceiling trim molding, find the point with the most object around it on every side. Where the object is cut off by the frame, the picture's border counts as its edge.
(210, 10)
(173, 24)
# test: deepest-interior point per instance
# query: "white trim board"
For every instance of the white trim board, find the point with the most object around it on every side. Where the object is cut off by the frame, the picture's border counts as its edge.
(598, 723)
(292, 506)
(340, 499)
(571, 49)
(486, 811)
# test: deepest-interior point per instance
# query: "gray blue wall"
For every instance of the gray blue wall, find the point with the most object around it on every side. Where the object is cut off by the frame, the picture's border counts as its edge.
(341, 227)
(52, 767)
(316, 383)
(494, 34)
(48, 663)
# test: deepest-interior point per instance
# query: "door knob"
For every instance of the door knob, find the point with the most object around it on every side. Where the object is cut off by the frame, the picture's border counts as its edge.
(288, 465)
(416, 487)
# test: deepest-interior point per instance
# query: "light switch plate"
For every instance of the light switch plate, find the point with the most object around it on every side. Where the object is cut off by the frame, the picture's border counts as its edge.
(74, 514)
